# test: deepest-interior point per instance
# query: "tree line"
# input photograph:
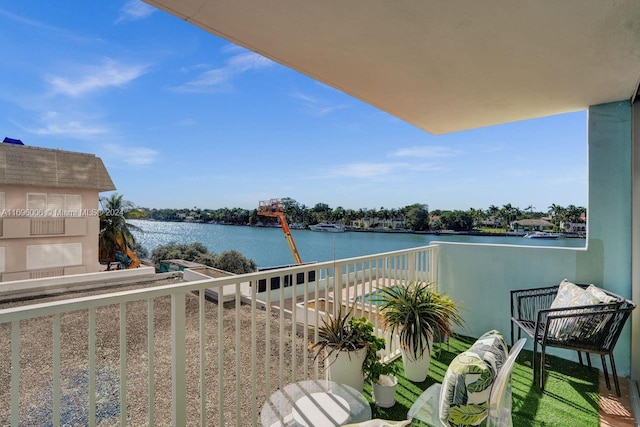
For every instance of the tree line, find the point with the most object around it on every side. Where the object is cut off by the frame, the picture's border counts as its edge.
(415, 217)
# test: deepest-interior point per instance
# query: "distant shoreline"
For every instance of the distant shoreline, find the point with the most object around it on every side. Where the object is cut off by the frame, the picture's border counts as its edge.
(388, 231)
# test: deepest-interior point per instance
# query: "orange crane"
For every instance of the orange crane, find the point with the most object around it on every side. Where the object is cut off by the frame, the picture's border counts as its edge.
(275, 208)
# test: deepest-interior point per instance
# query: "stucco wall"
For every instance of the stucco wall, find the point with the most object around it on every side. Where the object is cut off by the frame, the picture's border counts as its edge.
(480, 277)
(17, 237)
(635, 248)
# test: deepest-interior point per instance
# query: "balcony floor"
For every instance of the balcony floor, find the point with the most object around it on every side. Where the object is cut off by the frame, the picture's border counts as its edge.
(615, 411)
(574, 395)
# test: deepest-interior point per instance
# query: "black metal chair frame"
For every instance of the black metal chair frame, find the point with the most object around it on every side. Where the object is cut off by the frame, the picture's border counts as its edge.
(589, 329)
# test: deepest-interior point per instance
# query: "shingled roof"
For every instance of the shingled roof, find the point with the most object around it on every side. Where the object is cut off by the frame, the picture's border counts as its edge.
(24, 165)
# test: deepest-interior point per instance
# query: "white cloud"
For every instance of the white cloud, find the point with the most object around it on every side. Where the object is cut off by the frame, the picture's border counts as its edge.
(132, 156)
(57, 31)
(94, 78)
(138, 156)
(54, 123)
(232, 48)
(247, 61)
(377, 170)
(317, 107)
(519, 173)
(134, 10)
(426, 152)
(186, 122)
(219, 79)
(489, 148)
(365, 170)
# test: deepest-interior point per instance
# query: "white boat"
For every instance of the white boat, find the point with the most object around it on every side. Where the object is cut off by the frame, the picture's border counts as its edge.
(327, 227)
(543, 235)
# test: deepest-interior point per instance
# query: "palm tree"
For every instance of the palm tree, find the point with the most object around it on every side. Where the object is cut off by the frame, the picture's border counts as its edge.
(492, 213)
(530, 208)
(507, 212)
(558, 214)
(574, 213)
(115, 231)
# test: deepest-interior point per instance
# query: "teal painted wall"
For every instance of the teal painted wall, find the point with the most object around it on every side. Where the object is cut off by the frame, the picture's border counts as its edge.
(609, 221)
(480, 277)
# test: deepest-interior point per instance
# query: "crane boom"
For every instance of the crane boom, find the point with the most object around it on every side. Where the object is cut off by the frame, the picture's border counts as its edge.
(275, 208)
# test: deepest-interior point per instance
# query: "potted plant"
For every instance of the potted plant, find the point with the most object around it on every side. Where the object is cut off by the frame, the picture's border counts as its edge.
(344, 343)
(416, 312)
(382, 376)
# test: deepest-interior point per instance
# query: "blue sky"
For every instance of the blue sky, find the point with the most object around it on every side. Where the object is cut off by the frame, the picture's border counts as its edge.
(182, 118)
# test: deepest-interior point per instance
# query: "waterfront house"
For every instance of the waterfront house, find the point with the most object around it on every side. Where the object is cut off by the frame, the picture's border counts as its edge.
(444, 67)
(530, 224)
(49, 211)
(574, 227)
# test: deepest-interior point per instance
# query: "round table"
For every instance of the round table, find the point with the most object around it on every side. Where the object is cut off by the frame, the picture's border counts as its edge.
(315, 403)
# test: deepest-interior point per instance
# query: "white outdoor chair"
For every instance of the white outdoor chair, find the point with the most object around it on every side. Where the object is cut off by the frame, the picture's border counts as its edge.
(426, 407)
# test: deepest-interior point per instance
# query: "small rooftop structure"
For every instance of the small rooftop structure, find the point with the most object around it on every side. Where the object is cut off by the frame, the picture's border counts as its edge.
(8, 140)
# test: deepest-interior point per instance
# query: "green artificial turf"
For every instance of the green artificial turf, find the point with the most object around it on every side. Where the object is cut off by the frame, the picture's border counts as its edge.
(570, 397)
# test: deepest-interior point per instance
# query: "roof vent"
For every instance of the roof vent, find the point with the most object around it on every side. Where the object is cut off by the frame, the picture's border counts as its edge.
(8, 140)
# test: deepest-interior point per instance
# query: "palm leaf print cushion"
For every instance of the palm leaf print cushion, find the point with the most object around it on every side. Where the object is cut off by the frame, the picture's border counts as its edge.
(464, 398)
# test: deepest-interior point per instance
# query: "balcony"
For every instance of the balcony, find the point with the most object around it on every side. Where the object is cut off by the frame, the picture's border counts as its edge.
(167, 355)
(47, 226)
(17, 228)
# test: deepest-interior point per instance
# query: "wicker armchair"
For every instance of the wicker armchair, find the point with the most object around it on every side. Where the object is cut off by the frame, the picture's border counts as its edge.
(588, 329)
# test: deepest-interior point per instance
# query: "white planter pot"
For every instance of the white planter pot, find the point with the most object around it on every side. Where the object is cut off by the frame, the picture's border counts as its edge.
(384, 391)
(345, 367)
(417, 368)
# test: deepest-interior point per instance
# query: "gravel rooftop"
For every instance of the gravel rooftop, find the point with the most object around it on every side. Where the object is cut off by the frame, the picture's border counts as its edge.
(36, 349)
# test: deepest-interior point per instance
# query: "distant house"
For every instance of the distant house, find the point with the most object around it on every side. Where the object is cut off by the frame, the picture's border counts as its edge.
(380, 223)
(49, 220)
(531, 224)
(574, 227)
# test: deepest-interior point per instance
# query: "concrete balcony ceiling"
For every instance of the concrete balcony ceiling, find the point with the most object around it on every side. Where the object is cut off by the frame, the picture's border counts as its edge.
(443, 66)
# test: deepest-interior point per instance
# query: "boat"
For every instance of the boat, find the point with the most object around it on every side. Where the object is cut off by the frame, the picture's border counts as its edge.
(543, 235)
(327, 227)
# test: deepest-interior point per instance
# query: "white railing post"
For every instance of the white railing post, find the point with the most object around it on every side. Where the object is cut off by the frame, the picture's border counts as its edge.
(123, 363)
(57, 392)
(178, 366)
(15, 372)
(203, 357)
(92, 366)
(151, 387)
(411, 267)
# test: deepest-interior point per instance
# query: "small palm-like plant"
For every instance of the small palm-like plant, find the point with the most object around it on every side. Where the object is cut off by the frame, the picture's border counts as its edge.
(346, 333)
(417, 312)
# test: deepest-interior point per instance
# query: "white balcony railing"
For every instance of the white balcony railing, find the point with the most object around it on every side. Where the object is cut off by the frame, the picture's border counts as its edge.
(167, 356)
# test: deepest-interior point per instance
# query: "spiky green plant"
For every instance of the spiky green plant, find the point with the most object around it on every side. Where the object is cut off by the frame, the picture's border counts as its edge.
(416, 312)
(344, 332)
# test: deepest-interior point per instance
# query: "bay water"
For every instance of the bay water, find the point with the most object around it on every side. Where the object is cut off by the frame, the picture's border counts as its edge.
(268, 247)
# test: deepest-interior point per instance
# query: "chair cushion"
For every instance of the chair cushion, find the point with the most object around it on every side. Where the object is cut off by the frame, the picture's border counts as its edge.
(600, 294)
(572, 295)
(464, 398)
(492, 348)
